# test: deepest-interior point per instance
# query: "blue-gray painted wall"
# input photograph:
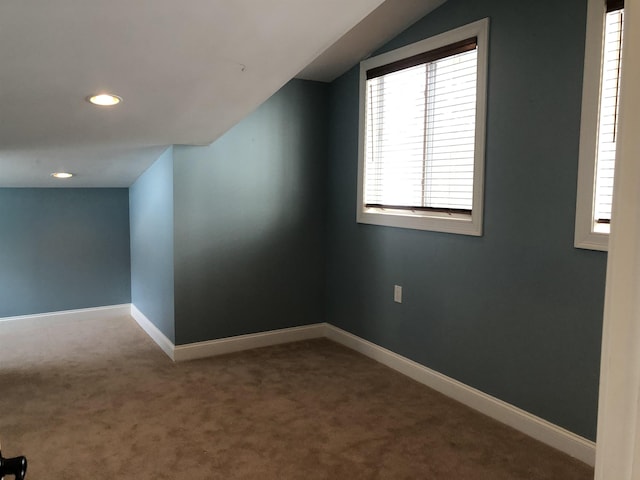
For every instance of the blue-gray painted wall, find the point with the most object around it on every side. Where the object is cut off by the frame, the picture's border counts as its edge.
(517, 312)
(63, 249)
(249, 221)
(151, 207)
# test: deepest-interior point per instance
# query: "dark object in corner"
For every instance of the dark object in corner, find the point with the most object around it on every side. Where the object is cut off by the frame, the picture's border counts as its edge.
(13, 466)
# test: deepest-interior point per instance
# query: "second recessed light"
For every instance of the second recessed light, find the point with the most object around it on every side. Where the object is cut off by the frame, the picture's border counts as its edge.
(105, 99)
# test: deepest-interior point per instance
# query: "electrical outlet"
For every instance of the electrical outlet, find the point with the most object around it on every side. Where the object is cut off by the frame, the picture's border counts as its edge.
(397, 293)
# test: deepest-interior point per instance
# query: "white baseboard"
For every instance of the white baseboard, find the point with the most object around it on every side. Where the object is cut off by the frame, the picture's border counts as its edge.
(247, 342)
(212, 348)
(154, 332)
(95, 313)
(542, 430)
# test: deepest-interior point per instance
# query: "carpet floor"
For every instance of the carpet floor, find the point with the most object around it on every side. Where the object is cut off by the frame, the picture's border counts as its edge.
(98, 400)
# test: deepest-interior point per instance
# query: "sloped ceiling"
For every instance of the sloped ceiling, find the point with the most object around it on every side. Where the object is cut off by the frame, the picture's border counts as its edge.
(380, 26)
(187, 72)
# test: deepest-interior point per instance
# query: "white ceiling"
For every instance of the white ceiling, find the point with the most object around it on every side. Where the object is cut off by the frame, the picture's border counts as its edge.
(380, 26)
(187, 71)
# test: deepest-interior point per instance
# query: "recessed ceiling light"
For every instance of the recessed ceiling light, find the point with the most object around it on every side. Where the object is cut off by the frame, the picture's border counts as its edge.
(105, 100)
(62, 175)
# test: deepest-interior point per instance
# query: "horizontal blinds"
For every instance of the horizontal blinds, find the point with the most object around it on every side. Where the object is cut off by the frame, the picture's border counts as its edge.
(420, 135)
(608, 118)
(425, 57)
(613, 5)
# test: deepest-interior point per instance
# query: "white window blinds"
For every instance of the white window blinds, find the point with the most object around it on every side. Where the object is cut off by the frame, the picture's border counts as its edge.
(608, 117)
(420, 131)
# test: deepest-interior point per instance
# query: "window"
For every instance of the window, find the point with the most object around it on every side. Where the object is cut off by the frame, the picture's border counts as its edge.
(422, 116)
(600, 98)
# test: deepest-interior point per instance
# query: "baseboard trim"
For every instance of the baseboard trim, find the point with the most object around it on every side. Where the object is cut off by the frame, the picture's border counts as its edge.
(538, 428)
(154, 332)
(94, 313)
(239, 343)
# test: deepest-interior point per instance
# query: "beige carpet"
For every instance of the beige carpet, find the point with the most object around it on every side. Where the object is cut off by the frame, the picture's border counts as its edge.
(93, 400)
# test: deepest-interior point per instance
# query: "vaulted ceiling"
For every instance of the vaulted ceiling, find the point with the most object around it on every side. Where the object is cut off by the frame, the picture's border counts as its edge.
(187, 71)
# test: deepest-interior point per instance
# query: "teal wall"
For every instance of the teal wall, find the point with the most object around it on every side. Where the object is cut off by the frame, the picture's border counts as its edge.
(151, 207)
(249, 221)
(63, 249)
(517, 312)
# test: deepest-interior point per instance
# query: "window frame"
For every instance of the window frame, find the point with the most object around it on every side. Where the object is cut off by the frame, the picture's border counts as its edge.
(586, 236)
(465, 224)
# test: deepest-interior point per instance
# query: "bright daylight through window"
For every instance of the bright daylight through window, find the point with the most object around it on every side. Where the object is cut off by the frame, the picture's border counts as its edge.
(601, 97)
(422, 134)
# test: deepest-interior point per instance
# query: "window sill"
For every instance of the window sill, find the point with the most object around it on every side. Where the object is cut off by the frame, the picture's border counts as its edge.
(433, 221)
(592, 241)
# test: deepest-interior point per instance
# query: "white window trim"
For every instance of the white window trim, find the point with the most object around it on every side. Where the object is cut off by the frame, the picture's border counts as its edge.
(586, 235)
(434, 221)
